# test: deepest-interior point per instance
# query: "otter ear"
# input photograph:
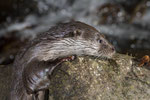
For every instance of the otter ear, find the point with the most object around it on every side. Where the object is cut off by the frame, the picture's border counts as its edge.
(74, 33)
(77, 32)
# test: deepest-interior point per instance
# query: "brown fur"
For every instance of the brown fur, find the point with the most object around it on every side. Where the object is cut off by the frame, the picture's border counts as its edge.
(34, 65)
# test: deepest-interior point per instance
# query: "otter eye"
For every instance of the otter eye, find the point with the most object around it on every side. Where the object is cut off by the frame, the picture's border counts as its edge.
(100, 41)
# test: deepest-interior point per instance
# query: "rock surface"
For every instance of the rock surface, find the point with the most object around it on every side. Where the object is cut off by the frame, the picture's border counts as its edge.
(92, 79)
(88, 78)
(5, 79)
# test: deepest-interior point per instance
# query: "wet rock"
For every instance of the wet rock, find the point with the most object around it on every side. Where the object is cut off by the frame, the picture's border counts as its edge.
(92, 79)
(10, 44)
(5, 80)
(111, 13)
(88, 78)
(119, 12)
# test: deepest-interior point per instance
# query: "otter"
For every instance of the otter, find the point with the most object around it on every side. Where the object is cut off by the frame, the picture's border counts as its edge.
(35, 63)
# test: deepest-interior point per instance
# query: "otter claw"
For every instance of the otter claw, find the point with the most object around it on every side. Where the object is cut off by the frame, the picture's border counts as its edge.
(70, 58)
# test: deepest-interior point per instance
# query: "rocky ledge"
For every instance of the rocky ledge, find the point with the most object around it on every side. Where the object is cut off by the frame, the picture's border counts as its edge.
(88, 78)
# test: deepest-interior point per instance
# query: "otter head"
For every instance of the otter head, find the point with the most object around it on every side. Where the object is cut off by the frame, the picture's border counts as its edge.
(74, 38)
(95, 43)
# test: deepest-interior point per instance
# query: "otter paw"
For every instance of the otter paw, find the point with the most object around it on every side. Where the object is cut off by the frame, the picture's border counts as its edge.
(70, 58)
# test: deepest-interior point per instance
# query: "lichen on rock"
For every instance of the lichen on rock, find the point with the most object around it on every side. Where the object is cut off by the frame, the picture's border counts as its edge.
(87, 78)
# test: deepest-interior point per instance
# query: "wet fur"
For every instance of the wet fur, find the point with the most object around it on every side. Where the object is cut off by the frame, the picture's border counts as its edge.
(35, 63)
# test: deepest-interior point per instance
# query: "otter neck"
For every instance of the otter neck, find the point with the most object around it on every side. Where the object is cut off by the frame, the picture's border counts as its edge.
(62, 48)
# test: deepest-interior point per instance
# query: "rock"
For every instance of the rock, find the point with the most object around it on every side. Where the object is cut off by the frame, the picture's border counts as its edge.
(5, 80)
(88, 78)
(93, 79)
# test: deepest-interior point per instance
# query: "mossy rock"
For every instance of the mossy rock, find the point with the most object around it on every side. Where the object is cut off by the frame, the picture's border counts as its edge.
(93, 79)
(88, 78)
